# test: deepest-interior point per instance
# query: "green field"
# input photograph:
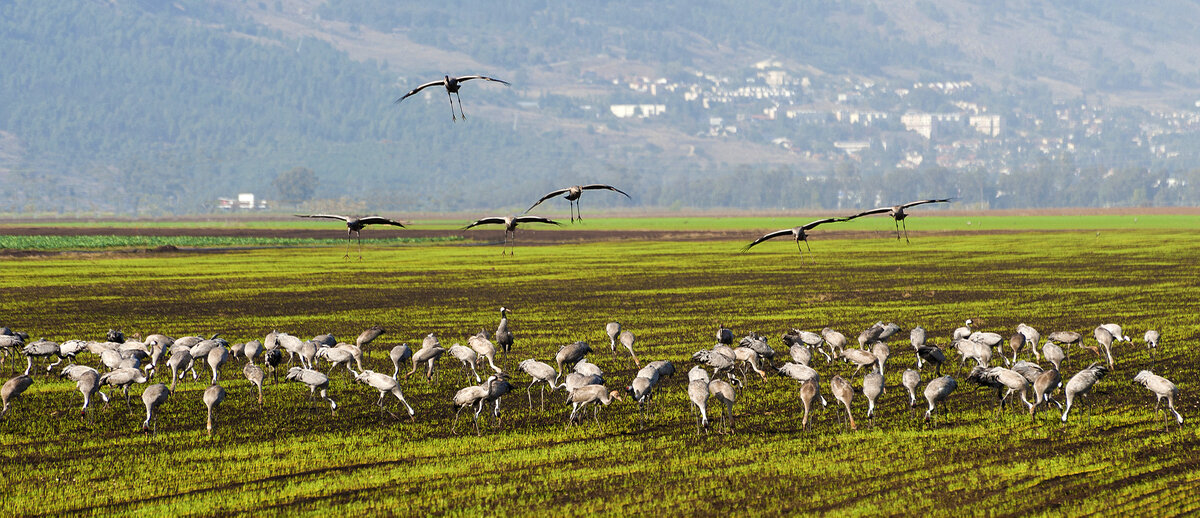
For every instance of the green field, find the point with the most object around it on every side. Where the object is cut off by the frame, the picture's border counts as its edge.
(292, 458)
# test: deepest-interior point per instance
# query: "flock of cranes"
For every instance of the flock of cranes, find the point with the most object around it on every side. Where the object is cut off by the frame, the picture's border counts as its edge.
(355, 224)
(723, 372)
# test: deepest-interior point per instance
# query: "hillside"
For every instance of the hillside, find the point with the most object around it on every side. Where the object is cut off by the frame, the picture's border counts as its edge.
(140, 108)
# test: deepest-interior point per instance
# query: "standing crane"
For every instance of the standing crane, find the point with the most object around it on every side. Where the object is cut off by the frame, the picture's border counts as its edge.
(911, 379)
(937, 391)
(254, 375)
(872, 388)
(398, 355)
(315, 381)
(581, 397)
(724, 394)
(504, 336)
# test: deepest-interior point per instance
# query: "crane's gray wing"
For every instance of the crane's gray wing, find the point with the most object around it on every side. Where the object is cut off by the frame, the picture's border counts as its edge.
(821, 222)
(379, 220)
(880, 210)
(326, 216)
(602, 186)
(495, 220)
(922, 202)
(546, 197)
(418, 89)
(535, 219)
(772, 235)
(485, 78)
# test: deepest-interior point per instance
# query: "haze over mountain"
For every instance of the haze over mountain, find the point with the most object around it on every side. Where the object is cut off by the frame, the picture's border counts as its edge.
(152, 108)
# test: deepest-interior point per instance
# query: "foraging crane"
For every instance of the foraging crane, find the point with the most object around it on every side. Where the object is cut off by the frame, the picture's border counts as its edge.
(12, 389)
(809, 339)
(123, 378)
(254, 375)
(937, 391)
(698, 397)
(217, 357)
(398, 355)
(897, 213)
(315, 381)
(1105, 338)
(154, 396)
(1116, 332)
(213, 396)
(572, 195)
(627, 340)
(510, 226)
(613, 330)
(933, 354)
(581, 397)
(467, 356)
(273, 359)
(872, 388)
(1162, 388)
(40, 349)
(576, 380)
(588, 368)
(427, 354)
(1151, 339)
(504, 337)
(809, 391)
(749, 358)
(860, 358)
(844, 393)
(715, 359)
(1069, 337)
(496, 390)
(759, 345)
(1032, 337)
(911, 379)
(336, 356)
(970, 349)
(798, 234)
(570, 354)
(88, 384)
(800, 353)
(1016, 343)
(803, 373)
(990, 340)
(1000, 378)
(180, 362)
(1043, 387)
(252, 350)
(452, 85)
(470, 396)
(385, 385)
(484, 348)
(835, 340)
(369, 336)
(541, 373)
(881, 352)
(1081, 384)
(724, 394)
(1054, 354)
(355, 353)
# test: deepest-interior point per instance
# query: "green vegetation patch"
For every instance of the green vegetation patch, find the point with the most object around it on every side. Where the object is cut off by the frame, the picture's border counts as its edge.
(11, 242)
(291, 456)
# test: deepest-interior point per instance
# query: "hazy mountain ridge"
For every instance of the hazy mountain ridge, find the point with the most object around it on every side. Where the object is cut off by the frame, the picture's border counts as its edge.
(167, 106)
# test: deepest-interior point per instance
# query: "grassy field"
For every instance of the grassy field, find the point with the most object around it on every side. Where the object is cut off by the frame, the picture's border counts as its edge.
(290, 458)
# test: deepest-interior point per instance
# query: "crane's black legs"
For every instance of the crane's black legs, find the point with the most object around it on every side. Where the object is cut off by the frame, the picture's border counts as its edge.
(452, 117)
(460, 112)
(897, 222)
(359, 234)
(578, 212)
(905, 231)
(349, 233)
